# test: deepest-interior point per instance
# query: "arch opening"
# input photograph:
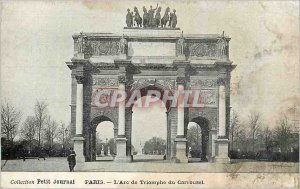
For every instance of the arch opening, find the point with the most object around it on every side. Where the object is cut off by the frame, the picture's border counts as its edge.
(149, 128)
(102, 132)
(198, 139)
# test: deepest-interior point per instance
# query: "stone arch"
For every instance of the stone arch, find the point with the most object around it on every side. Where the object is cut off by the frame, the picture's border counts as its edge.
(95, 121)
(203, 123)
(144, 85)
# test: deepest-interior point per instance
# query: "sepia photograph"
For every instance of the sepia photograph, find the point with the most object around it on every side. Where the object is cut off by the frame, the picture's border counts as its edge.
(150, 94)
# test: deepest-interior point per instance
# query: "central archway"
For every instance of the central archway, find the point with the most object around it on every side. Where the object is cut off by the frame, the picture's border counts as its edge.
(149, 135)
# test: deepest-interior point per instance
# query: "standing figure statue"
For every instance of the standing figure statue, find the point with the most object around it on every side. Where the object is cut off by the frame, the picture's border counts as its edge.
(80, 43)
(157, 17)
(122, 45)
(173, 19)
(145, 17)
(180, 45)
(165, 18)
(151, 15)
(129, 18)
(137, 18)
(222, 46)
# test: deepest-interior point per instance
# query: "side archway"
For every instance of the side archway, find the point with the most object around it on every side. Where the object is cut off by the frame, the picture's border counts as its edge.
(201, 127)
(100, 147)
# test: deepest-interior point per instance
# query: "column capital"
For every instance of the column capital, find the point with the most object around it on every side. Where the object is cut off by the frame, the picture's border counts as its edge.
(122, 79)
(80, 79)
(181, 80)
(222, 81)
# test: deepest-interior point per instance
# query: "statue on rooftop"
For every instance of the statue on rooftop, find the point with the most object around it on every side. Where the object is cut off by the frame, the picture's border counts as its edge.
(137, 18)
(157, 17)
(129, 18)
(151, 15)
(173, 19)
(165, 18)
(145, 17)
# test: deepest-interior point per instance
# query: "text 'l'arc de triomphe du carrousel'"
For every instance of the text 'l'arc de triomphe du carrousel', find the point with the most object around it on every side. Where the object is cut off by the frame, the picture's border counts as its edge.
(153, 54)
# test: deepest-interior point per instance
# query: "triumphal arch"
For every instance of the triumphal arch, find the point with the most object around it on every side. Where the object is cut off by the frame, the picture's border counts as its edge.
(157, 59)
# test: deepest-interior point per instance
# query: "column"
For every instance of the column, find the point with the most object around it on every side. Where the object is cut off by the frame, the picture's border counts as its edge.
(180, 140)
(121, 119)
(180, 112)
(222, 111)
(78, 139)
(222, 141)
(121, 140)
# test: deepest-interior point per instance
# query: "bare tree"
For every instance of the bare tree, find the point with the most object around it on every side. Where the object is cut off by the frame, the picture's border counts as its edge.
(28, 131)
(282, 134)
(51, 131)
(254, 123)
(10, 120)
(40, 110)
(234, 123)
(267, 135)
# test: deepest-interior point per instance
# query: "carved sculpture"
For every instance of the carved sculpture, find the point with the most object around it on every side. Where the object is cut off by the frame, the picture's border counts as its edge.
(166, 18)
(129, 18)
(173, 19)
(137, 18)
(180, 45)
(151, 18)
(122, 45)
(222, 47)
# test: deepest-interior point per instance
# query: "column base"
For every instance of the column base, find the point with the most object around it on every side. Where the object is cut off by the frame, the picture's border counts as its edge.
(181, 150)
(221, 151)
(78, 148)
(121, 151)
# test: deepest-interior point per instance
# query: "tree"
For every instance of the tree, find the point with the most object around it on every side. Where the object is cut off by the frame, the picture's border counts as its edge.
(254, 123)
(10, 120)
(282, 134)
(267, 137)
(28, 131)
(194, 137)
(155, 144)
(40, 111)
(50, 132)
(234, 123)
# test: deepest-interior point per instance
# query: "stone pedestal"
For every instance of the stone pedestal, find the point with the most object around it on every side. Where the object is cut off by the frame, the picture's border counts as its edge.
(181, 150)
(222, 151)
(121, 151)
(78, 148)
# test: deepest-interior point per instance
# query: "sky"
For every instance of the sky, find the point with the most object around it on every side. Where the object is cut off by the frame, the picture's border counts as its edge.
(36, 41)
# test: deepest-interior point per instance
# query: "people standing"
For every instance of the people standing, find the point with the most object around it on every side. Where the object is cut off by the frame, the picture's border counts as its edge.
(72, 160)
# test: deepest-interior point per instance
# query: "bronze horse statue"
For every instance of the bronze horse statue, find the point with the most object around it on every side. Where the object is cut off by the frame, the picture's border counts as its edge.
(165, 18)
(137, 18)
